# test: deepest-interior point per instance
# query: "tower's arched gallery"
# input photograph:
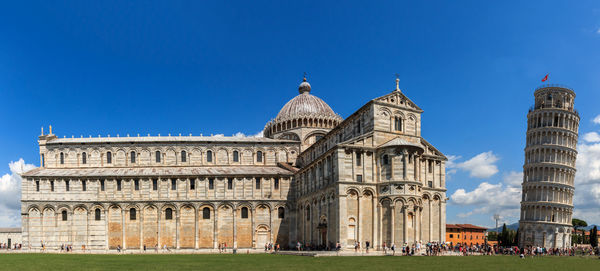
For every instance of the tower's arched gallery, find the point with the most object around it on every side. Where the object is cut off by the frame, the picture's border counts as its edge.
(313, 178)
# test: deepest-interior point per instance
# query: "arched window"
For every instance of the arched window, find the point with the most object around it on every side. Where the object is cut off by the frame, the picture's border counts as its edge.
(132, 155)
(108, 157)
(206, 213)
(83, 158)
(244, 212)
(64, 215)
(169, 214)
(157, 154)
(281, 213)
(173, 184)
(62, 158)
(236, 156)
(259, 156)
(132, 214)
(307, 213)
(97, 214)
(209, 156)
(183, 156)
(386, 159)
(398, 124)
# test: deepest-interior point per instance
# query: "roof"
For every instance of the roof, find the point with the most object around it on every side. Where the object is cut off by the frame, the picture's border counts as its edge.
(174, 139)
(400, 142)
(464, 226)
(15, 230)
(158, 171)
(306, 105)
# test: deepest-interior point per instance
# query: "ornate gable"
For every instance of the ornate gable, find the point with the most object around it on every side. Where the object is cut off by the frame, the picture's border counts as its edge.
(398, 99)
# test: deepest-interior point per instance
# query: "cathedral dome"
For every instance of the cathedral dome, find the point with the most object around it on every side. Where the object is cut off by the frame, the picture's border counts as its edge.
(305, 105)
(304, 110)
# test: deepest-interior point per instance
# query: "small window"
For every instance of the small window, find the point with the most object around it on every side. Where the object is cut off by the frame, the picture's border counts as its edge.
(359, 178)
(244, 212)
(211, 183)
(136, 184)
(132, 157)
(183, 156)
(230, 183)
(52, 186)
(97, 214)
(430, 184)
(430, 166)
(307, 213)
(83, 158)
(118, 185)
(132, 214)
(157, 155)
(398, 124)
(358, 159)
(192, 184)
(101, 185)
(209, 156)
(206, 213)
(64, 215)
(386, 159)
(37, 186)
(280, 213)
(169, 214)
(276, 183)
(154, 184)
(257, 183)
(236, 156)
(43, 160)
(108, 157)
(62, 158)
(83, 185)
(259, 157)
(451, 235)
(173, 184)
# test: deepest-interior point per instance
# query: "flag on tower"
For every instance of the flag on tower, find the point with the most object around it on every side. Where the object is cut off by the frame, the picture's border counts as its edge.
(545, 78)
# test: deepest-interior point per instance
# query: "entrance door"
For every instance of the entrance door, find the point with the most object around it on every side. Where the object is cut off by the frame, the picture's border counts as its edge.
(9, 243)
(324, 236)
(262, 237)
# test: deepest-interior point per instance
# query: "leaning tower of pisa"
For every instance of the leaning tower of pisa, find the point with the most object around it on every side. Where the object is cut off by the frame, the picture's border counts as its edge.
(549, 170)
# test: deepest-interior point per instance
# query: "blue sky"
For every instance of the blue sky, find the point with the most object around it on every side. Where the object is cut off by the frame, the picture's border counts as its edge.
(102, 67)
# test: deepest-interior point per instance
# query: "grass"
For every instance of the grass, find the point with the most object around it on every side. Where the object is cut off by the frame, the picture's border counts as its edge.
(282, 262)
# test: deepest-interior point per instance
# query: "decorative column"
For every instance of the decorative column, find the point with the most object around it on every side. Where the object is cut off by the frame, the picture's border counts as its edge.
(392, 223)
(405, 227)
(177, 223)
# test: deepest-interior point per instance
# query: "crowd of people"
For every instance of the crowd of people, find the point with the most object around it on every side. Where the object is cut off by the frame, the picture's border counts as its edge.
(437, 249)
(10, 247)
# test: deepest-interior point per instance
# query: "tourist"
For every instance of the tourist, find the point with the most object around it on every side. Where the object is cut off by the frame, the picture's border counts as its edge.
(367, 243)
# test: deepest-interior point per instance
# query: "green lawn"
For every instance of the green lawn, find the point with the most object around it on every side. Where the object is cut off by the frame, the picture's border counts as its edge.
(71, 262)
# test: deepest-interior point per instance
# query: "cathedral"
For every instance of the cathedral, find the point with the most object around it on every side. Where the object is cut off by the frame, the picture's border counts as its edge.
(313, 178)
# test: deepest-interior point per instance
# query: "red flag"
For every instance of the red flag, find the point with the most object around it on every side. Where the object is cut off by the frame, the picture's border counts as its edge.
(545, 78)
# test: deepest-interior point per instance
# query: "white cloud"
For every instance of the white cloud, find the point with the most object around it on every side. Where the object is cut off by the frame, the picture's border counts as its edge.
(591, 137)
(503, 198)
(240, 134)
(10, 194)
(597, 118)
(481, 166)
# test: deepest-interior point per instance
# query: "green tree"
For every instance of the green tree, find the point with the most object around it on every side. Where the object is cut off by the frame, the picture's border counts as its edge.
(578, 223)
(503, 238)
(594, 237)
